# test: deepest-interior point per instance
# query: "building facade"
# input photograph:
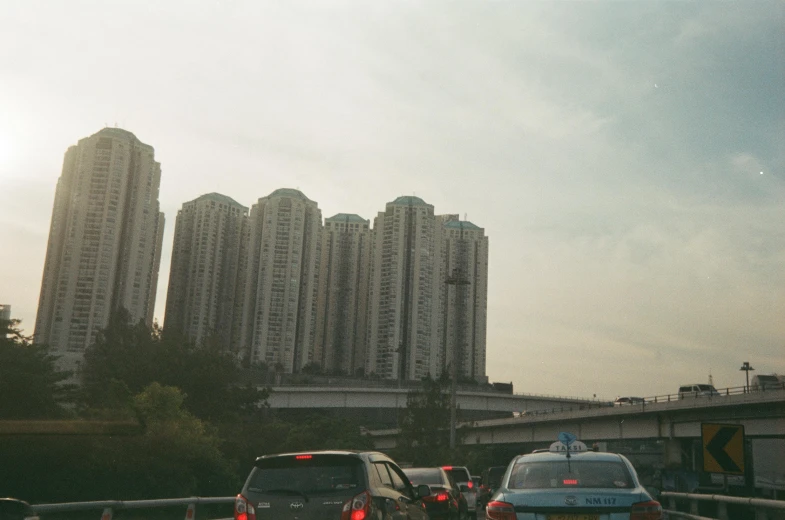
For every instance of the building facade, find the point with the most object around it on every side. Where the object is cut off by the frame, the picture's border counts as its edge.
(104, 244)
(404, 296)
(342, 317)
(204, 298)
(464, 287)
(281, 286)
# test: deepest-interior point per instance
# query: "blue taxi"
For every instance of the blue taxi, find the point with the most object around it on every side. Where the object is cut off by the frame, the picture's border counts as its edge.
(571, 482)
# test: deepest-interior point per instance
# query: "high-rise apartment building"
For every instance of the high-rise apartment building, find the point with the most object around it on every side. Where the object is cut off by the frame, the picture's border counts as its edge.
(5, 312)
(279, 312)
(341, 334)
(104, 242)
(464, 297)
(405, 291)
(204, 299)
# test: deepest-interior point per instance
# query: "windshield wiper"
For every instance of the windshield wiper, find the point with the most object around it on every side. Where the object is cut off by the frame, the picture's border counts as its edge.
(285, 491)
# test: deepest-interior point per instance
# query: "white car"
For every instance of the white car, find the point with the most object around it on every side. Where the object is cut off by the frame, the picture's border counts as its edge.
(621, 401)
(698, 390)
(462, 477)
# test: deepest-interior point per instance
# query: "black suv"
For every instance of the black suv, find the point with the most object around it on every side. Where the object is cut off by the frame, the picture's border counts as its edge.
(339, 485)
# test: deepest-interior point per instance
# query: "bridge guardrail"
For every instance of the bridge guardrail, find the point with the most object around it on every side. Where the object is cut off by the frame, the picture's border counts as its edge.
(108, 507)
(407, 385)
(657, 399)
(761, 506)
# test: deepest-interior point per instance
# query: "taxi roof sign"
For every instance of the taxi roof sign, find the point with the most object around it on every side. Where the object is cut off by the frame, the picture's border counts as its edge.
(574, 447)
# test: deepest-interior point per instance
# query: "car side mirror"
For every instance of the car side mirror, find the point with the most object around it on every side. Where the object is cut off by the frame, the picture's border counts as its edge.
(464, 488)
(423, 490)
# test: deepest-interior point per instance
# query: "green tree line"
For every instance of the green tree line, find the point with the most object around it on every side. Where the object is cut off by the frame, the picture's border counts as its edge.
(200, 430)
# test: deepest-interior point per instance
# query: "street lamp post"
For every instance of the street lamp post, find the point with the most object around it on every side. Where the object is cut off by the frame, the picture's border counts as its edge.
(458, 280)
(746, 367)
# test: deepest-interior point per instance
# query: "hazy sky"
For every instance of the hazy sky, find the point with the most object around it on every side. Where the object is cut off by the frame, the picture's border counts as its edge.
(626, 159)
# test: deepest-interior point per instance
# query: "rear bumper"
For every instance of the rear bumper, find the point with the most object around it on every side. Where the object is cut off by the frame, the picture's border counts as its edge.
(437, 510)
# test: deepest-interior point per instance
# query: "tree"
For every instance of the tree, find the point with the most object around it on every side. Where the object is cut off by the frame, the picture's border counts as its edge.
(31, 386)
(137, 356)
(175, 455)
(248, 439)
(178, 454)
(424, 438)
(321, 433)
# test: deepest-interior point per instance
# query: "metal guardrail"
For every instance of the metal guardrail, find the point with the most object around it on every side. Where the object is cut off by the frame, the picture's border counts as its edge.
(731, 390)
(657, 399)
(108, 507)
(761, 506)
(409, 385)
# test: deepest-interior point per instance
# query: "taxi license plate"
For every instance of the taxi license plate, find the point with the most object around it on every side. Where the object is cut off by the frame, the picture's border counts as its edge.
(573, 517)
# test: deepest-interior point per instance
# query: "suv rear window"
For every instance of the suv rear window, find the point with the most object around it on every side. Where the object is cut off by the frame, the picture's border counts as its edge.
(579, 474)
(705, 388)
(309, 474)
(460, 475)
(425, 476)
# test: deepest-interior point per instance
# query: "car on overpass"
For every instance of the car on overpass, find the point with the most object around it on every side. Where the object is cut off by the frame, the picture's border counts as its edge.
(621, 401)
(571, 482)
(698, 390)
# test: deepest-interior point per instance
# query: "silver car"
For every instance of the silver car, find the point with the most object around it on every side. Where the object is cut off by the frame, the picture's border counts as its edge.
(463, 478)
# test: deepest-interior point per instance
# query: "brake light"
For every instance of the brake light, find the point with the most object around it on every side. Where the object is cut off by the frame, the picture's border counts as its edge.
(570, 481)
(496, 510)
(470, 484)
(243, 509)
(303, 457)
(441, 497)
(651, 510)
(447, 468)
(358, 508)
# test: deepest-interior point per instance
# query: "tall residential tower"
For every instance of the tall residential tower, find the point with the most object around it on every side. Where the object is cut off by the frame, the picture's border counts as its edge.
(405, 292)
(204, 300)
(342, 315)
(464, 297)
(104, 242)
(279, 312)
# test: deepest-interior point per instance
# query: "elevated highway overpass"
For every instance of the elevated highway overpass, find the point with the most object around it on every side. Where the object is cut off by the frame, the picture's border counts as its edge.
(761, 413)
(380, 405)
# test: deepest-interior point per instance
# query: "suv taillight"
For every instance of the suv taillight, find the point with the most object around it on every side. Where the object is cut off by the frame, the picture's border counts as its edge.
(358, 508)
(243, 509)
(651, 510)
(496, 510)
(440, 497)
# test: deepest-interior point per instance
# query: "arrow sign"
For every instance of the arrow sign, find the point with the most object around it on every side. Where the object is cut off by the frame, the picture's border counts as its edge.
(723, 448)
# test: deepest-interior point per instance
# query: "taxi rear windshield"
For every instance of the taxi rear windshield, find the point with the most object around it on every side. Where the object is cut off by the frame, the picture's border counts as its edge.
(316, 474)
(579, 474)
